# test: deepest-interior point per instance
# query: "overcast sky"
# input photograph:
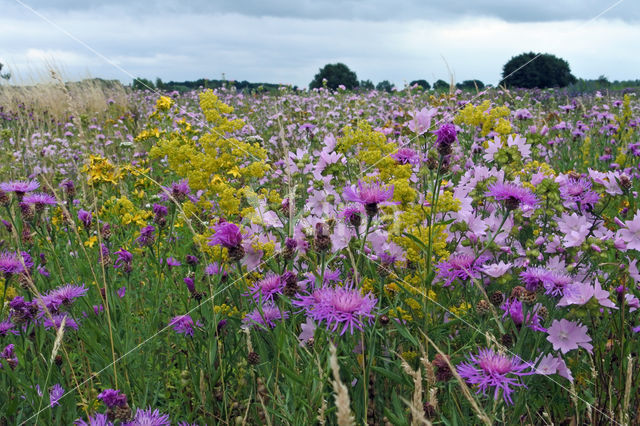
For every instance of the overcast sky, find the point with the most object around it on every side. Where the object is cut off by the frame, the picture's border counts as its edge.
(287, 41)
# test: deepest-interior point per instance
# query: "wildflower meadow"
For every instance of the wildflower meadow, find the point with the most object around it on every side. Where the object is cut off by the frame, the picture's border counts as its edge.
(320, 257)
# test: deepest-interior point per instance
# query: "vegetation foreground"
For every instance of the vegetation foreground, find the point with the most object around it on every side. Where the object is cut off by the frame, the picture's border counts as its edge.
(319, 257)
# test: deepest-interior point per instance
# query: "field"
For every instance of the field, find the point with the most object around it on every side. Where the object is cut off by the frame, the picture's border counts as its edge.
(318, 257)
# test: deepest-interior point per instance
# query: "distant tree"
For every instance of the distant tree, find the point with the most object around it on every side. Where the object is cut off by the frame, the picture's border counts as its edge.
(603, 81)
(422, 83)
(529, 70)
(470, 85)
(5, 76)
(441, 85)
(385, 86)
(142, 84)
(159, 84)
(367, 85)
(335, 74)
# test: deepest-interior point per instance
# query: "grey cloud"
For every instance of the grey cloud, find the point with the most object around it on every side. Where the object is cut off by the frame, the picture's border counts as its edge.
(375, 10)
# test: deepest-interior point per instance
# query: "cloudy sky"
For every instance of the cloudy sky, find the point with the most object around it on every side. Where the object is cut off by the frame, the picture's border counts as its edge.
(287, 41)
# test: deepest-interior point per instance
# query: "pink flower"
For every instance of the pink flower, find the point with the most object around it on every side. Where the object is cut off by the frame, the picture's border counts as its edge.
(630, 234)
(554, 365)
(568, 335)
(422, 120)
(575, 229)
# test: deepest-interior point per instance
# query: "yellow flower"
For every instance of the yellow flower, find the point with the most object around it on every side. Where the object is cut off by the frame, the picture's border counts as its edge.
(91, 241)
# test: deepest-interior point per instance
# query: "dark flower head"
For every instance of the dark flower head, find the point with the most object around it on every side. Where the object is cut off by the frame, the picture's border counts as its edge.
(192, 260)
(180, 189)
(146, 237)
(352, 215)
(160, 210)
(493, 371)
(227, 235)
(68, 187)
(8, 353)
(446, 136)
(191, 285)
(513, 195)
(123, 260)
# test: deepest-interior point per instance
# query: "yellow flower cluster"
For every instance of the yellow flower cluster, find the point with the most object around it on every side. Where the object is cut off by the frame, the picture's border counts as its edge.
(219, 165)
(11, 292)
(100, 169)
(484, 116)
(125, 212)
(227, 311)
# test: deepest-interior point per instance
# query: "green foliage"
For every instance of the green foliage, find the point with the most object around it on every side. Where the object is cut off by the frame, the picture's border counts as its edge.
(422, 83)
(384, 86)
(534, 70)
(367, 85)
(335, 75)
(5, 76)
(142, 84)
(470, 85)
(441, 85)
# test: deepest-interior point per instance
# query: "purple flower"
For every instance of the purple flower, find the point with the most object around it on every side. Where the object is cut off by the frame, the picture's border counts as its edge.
(95, 420)
(191, 260)
(68, 186)
(146, 237)
(40, 200)
(213, 269)
(353, 215)
(513, 308)
(490, 370)
(568, 335)
(446, 136)
(227, 235)
(184, 324)
(268, 317)
(173, 262)
(55, 393)
(267, 289)
(577, 193)
(496, 270)
(406, 156)
(56, 321)
(6, 327)
(368, 193)
(113, 398)
(10, 263)
(123, 260)
(19, 187)
(149, 417)
(191, 285)
(85, 217)
(122, 291)
(461, 266)
(159, 210)
(512, 194)
(339, 307)
(8, 353)
(21, 310)
(64, 295)
(535, 276)
(554, 365)
(557, 284)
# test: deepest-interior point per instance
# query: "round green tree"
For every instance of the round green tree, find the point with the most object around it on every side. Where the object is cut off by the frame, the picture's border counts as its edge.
(335, 74)
(529, 70)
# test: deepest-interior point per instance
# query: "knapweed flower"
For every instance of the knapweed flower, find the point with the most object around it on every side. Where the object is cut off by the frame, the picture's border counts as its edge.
(40, 200)
(183, 324)
(228, 235)
(352, 215)
(113, 398)
(406, 156)
(55, 322)
(19, 187)
(85, 217)
(149, 417)
(8, 353)
(535, 276)
(268, 317)
(123, 260)
(512, 195)
(68, 186)
(97, 419)
(490, 370)
(568, 335)
(268, 289)
(64, 295)
(55, 393)
(340, 307)
(10, 263)
(22, 311)
(576, 193)
(369, 194)
(180, 189)
(461, 266)
(146, 237)
(171, 262)
(446, 136)
(7, 327)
